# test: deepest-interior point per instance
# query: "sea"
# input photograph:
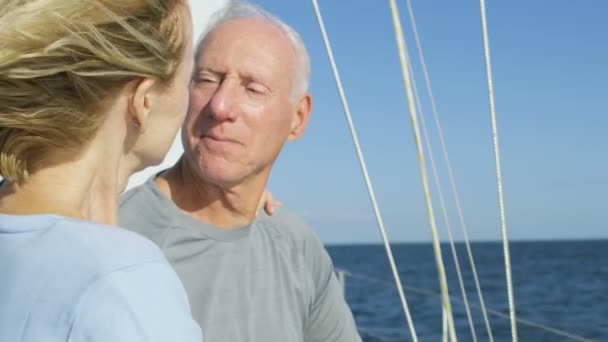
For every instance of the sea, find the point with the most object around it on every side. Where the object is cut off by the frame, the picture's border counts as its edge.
(560, 290)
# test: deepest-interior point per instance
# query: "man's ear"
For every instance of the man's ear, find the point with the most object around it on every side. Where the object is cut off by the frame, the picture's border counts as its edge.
(300, 119)
(140, 102)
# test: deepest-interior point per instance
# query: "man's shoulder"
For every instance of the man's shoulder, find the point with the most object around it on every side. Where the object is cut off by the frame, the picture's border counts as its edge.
(286, 225)
(285, 221)
(142, 207)
(137, 195)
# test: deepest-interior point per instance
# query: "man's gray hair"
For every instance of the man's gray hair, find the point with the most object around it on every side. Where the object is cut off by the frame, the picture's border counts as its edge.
(241, 9)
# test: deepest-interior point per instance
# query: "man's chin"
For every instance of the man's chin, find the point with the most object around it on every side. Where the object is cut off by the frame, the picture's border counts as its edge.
(220, 178)
(217, 168)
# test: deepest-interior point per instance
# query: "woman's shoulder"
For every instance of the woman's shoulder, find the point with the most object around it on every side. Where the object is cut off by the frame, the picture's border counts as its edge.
(107, 247)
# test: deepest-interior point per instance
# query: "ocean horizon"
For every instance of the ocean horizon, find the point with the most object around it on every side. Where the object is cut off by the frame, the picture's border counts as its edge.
(560, 289)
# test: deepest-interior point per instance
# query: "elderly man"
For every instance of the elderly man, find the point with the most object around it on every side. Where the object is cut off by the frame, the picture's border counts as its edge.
(264, 278)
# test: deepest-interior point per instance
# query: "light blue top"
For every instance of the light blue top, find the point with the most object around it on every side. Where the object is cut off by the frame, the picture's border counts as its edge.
(63, 279)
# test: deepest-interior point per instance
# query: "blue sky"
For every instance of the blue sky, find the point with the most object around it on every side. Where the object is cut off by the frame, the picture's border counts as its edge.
(550, 67)
(550, 64)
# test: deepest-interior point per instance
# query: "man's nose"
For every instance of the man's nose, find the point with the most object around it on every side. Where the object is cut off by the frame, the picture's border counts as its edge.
(223, 104)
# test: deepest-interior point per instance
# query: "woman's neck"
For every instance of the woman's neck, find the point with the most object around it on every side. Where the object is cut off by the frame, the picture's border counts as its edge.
(86, 188)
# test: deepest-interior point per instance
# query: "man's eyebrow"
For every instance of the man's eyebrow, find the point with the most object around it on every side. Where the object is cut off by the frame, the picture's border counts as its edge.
(245, 76)
(253, 78)
(259, 77)
(207, 69)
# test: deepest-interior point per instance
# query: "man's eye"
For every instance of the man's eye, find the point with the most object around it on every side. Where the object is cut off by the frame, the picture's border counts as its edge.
(257, 89)
(205, 80)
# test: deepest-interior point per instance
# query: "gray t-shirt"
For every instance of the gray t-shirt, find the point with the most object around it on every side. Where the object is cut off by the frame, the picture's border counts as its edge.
(269, 281)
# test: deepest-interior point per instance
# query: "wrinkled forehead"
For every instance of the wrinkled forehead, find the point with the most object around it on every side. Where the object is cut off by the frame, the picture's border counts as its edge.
(249, 38)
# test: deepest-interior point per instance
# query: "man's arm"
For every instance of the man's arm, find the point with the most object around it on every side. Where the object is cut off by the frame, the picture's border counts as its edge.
(329, 317)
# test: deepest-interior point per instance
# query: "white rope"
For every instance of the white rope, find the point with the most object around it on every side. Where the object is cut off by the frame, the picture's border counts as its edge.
(444, 326)
(444, 212)
(453, 186)
(490, 311)
(365, 174)
(403, 59)
(505, 238)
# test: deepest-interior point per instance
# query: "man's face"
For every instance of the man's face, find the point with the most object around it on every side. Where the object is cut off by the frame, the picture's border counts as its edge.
(241, 106)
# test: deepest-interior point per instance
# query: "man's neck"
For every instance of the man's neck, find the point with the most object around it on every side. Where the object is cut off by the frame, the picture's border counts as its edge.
(222, 207)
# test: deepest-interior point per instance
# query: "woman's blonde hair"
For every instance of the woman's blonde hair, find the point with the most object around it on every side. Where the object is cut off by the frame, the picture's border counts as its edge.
(59, 59)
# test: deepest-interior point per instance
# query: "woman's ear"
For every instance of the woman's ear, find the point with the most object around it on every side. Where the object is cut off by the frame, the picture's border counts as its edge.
(141, 102)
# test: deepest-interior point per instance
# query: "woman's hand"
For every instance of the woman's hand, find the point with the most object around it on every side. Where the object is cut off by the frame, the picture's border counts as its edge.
(268, 203)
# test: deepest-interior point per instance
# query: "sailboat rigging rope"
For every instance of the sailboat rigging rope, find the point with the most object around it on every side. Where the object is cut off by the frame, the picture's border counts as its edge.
(453, 186)
(403, 58)
(368, 183)
(505, 238)
(444, 212)
(496, 313)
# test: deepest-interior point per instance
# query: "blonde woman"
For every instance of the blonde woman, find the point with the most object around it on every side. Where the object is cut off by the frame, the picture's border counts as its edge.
(90, 92)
